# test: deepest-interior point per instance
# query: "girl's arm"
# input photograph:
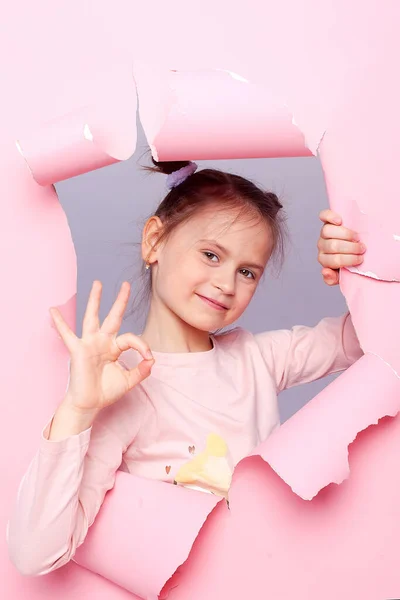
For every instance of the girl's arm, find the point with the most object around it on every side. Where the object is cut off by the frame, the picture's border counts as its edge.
(65, 485)
(82, 448)
(303, 354)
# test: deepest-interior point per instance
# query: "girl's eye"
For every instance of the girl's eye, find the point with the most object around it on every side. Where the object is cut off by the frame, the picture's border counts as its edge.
(211, 256)
(248, 274)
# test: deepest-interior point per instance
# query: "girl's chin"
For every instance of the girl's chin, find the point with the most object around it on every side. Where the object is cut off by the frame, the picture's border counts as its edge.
(209, 325)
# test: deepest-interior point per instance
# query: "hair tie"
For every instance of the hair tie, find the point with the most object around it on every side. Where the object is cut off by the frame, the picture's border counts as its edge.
(177, 177)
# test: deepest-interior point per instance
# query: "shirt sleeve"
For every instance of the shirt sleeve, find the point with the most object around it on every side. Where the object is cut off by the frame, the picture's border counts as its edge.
(64, 488)
(303, 354)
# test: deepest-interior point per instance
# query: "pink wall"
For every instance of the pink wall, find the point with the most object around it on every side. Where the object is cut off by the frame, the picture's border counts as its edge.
(333, 66)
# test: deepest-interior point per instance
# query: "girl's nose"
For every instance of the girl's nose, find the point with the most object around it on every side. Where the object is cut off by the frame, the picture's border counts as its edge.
(226, 283)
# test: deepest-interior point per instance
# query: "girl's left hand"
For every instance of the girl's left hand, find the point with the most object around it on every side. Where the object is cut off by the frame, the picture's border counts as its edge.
(337, 247)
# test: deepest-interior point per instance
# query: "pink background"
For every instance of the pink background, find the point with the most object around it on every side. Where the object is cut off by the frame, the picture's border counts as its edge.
(335, 65)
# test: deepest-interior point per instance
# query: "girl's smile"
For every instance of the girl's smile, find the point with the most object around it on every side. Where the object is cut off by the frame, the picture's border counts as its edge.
(213, 303)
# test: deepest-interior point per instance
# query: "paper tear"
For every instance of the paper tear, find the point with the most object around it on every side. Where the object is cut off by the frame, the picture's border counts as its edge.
(371, 388)
(319, 143)
(370, 274)
(17, 143)
(165, 595)
(20, 150)
(180, 110)
(236, 76)
(385, 362)
(381, 260)
(294, 122)
(58, 149)
(178, 513)
(154, 152)
(313, 147)
(87, 134)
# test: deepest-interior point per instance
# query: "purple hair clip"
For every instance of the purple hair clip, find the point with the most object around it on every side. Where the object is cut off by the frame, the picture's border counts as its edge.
(179, 176)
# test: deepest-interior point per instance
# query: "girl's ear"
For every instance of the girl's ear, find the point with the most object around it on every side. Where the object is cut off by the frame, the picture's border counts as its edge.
(151, 234)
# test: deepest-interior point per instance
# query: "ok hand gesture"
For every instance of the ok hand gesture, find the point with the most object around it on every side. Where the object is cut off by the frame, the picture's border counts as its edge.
(97, 379)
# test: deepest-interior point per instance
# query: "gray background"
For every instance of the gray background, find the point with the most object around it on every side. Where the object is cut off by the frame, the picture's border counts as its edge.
(107, 208)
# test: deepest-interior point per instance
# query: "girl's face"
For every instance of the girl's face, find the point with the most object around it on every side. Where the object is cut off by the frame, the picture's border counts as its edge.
(208, 269)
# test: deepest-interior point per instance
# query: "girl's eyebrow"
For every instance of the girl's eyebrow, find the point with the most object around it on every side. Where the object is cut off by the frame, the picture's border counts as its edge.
(225, 251)
(216, 244)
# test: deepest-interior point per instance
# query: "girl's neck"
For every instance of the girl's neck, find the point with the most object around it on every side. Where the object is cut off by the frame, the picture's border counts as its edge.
(166, 332)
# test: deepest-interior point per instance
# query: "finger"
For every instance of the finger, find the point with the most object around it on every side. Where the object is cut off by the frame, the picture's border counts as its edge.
(139, 373)
(143, 369)
(67, 335)
(126, 341)
(329, 216)
(113, 320)
(340, 247)
(91, 318)
(331, 276)
(337, 261)
(337, 232)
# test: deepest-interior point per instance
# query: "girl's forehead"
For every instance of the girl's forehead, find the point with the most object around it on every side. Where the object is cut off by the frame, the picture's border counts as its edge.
(235, 232)
(215, 223)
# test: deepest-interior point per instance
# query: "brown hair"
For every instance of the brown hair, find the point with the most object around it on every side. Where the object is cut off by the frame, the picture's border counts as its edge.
(213, 187)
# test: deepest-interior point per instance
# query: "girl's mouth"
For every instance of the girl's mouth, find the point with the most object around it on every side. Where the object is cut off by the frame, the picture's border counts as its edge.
(213, 303)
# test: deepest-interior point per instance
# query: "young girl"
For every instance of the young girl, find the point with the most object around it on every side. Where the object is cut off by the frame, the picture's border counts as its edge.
(178, 403)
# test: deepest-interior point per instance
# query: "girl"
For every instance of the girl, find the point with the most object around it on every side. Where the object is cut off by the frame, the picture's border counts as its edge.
(178, 403)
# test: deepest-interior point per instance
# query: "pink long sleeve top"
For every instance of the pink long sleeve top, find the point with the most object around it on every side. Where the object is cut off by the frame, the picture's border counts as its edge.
(190, 422)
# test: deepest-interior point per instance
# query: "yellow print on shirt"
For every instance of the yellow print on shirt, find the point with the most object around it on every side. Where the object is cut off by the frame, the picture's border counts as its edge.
(208, 470)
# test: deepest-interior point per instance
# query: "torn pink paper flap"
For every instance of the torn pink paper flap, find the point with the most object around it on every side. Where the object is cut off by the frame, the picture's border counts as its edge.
(185, 113)
(310, 450)
(86, 139)
(150, 527)
(382, 258)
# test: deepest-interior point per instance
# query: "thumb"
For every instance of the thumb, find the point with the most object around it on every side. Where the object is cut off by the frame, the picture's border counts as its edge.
(331, 276)
(140, 372)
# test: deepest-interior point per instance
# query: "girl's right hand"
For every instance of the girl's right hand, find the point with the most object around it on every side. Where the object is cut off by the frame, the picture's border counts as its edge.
(337, 247)
(97, 379)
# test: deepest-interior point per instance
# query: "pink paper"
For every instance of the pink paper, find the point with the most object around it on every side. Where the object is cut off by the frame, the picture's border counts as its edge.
(185, 112)
(382, 258)
(326, 74)
(150, 527)
(375, 308)
(88, 138)
(273, 544)
(310, 450)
